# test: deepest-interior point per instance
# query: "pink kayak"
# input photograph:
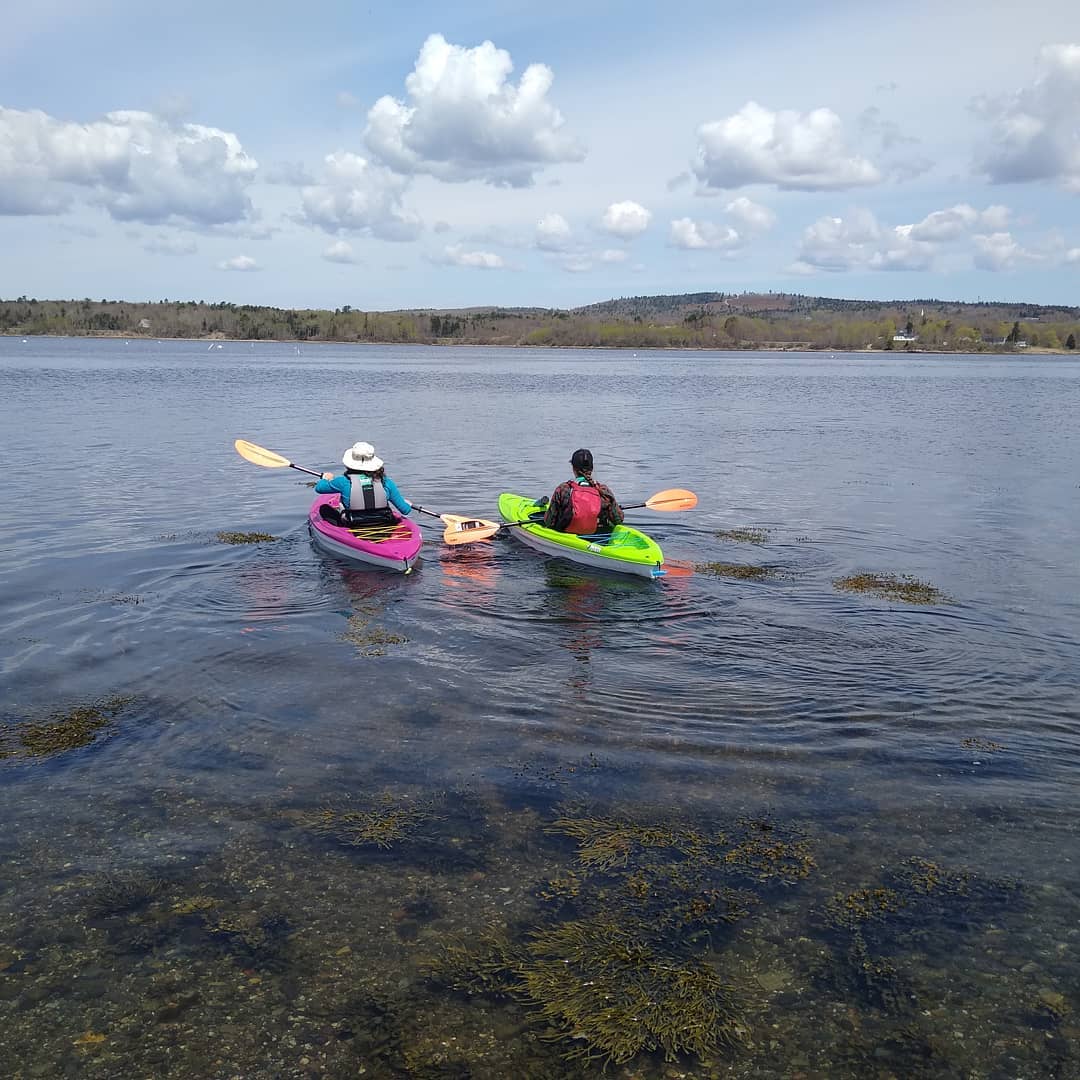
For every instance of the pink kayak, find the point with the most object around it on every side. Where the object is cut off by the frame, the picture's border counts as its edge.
(395, 545)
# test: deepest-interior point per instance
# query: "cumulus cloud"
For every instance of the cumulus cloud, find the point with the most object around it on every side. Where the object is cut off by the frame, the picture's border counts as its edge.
(553, 233)
(799, 151)
(138, 166)
(464, 120)
(750, 214)
(1001, 251)
(170, 245)
(576, 264)
(703, 235)
(340, 251)
(626, 219)
(1035, 133)
(357, 196)
(859, 242)
(456, 255)
(243, 263)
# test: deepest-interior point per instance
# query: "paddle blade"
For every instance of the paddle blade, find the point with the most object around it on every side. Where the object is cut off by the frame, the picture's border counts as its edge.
(462, 530)
(258, 455)
(672, 499)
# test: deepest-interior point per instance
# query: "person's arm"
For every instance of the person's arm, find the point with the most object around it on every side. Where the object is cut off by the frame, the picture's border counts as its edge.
(395, 498)
(610, 511)
(334, 485)
(558, 512)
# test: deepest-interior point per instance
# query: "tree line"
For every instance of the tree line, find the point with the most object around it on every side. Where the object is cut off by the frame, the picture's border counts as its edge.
(696, 320)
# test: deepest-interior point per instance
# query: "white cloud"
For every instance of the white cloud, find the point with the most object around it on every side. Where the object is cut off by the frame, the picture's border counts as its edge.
(577, 264)
(239, 262)
(750, 214)
(475, 260)
(1072, 255)
(356, 196)
(859, 242)
(801, 151)
(170, 245)
(138, 166)
(553, 233)
(613, 255)
(945, 224)
(626, 219)
(703, 235)
(345, 100)
(340, 251)
(1001, 251)
(1035, 133)
(465, 121)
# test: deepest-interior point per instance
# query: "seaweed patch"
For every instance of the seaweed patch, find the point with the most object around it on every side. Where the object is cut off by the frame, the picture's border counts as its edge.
(747, 535)
(892, 587)
(60, 731)
(246, 538)
(739, 571)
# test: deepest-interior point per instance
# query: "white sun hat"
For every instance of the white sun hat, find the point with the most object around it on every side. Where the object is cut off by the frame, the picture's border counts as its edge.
(361, 456)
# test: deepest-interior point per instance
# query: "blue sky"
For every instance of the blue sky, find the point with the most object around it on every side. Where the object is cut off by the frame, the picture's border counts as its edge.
(422, 155)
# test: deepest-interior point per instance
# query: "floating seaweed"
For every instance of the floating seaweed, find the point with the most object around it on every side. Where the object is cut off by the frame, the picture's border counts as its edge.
(986, 746)
(604, 986)
(891, 587)
(123, 893)
(745, 535)
(740, 571)
(62, 731)
(380, 824)
(369, 639)
(922, 901)
(227, 537)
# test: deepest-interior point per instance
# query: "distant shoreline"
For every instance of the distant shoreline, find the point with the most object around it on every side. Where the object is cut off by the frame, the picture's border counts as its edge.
(986, 350)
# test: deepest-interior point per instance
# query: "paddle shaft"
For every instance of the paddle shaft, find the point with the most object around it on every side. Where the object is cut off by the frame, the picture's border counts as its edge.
(514, 524)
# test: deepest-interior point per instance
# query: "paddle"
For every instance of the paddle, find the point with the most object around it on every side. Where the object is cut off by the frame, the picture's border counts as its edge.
(259, 455)
(469, 530)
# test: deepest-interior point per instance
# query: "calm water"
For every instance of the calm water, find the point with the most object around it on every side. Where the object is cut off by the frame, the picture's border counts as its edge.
(468, 822)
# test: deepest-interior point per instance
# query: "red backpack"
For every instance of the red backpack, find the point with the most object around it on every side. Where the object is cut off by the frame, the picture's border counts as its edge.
(585, 504)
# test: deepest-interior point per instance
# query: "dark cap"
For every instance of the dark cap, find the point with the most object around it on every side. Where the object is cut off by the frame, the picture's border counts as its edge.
(582, 459)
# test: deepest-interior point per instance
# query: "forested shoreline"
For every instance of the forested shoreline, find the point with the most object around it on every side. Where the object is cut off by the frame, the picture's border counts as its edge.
(685, 321)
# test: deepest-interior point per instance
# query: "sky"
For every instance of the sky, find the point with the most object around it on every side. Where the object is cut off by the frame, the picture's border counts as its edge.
(499, 152)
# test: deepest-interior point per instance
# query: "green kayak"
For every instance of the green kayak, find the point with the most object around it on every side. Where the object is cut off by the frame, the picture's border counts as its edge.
(624, 550)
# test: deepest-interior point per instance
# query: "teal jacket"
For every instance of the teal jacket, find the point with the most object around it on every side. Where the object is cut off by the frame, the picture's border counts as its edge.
(342, 485)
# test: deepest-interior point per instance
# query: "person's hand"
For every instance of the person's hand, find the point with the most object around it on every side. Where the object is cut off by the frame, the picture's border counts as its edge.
(328, 476)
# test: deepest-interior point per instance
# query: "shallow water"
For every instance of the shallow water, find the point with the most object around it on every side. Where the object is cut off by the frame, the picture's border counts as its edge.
(176, 896)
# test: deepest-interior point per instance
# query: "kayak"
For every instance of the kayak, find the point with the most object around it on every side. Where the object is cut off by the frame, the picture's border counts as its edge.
(624, 550)
(395, 545)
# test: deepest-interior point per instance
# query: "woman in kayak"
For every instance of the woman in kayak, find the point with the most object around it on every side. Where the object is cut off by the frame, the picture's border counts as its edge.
(367, 493)
(582, 505)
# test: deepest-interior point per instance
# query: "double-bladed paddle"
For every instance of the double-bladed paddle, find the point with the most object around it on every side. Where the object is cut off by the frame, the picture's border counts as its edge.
(469, 530)
(259, 455)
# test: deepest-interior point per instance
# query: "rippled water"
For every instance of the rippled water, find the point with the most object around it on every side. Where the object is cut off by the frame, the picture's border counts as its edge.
(881, 795)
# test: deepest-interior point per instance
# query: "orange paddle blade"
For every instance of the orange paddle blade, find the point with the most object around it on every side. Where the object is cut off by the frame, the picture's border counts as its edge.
(463, 530)
(258, 455)
(672, 499)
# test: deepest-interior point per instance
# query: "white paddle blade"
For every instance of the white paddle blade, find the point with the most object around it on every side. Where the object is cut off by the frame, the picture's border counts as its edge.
(259, 455)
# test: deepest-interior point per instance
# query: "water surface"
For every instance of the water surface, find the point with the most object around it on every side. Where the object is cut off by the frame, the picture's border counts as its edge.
(854, 815)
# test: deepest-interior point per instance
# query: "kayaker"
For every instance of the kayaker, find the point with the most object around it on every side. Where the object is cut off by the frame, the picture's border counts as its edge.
(367, 493)
(582, 505)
